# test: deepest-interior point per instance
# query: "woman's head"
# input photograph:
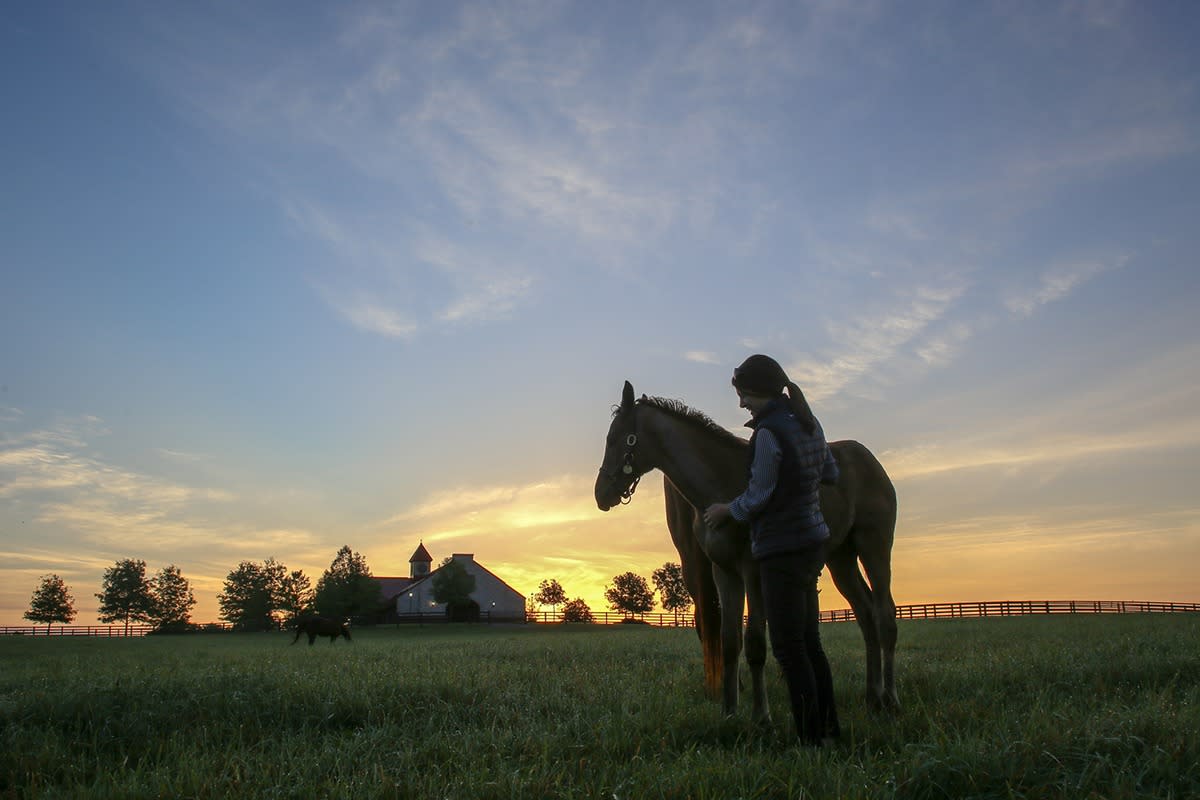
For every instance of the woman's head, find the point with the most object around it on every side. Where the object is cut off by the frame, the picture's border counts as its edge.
(760, 375)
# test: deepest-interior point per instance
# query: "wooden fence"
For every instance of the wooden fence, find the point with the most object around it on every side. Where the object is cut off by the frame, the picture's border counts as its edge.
(994, 608)
(107, 631)
(1019, 608)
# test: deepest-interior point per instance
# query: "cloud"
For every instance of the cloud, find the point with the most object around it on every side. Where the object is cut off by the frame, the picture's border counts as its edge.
(1116, 418)
(940, 350)
(895, 223)
(701, 357)
(549, 502)
(372, 318)
(1104, 149)
(868, 343)
(181, 456)
(484, 287)
(1057, 282)
(53, 472)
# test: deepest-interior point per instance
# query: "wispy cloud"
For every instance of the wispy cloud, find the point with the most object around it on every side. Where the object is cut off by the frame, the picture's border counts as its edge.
(701, 357)
(868, 342)
(181, 455)
(1114, 418)
(54, 473)
(1058, 281)
(366, 315)
(549, 502)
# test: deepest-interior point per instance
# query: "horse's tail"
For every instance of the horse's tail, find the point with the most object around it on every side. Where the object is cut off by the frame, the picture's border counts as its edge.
(708, 626)
(299, 630)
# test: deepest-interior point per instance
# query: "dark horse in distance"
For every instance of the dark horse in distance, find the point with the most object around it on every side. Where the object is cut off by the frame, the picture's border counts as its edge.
(704, 464)
(321, 626)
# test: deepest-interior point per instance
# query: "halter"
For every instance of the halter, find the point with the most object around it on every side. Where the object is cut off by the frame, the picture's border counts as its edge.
(627, 469)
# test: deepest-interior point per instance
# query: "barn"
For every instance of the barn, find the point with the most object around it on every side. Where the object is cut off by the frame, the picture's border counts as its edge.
(413, 596)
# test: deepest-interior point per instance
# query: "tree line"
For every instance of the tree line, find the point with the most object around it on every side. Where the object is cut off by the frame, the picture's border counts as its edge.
(268, 596)
(255, 596)
(629, 594)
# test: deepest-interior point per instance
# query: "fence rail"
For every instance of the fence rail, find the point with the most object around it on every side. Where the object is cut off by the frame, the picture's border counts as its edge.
(107, 631)
(993, 608)
(1018, 608)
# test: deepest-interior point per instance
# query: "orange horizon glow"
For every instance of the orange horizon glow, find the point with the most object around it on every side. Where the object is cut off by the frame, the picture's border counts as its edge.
(527, 535)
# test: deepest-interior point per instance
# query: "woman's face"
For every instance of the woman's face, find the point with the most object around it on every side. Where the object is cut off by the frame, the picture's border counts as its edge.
(754, 403)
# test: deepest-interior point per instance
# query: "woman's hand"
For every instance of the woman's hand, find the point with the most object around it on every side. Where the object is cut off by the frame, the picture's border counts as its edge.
(716, 514)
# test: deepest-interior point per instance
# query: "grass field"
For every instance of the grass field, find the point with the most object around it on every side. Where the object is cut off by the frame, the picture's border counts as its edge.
(1037, 707)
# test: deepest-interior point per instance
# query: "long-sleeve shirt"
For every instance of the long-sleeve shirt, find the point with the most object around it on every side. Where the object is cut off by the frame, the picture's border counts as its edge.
(764, 474)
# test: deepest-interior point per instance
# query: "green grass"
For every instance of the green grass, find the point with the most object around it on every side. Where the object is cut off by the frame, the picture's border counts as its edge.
(1037, 707)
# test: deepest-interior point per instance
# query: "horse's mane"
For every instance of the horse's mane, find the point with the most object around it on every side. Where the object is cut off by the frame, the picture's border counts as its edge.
(692, 416)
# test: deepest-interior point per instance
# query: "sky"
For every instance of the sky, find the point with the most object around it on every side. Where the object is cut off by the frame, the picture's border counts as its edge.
(280, 277)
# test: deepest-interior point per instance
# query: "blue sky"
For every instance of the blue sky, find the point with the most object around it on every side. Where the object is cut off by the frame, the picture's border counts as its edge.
(279, 277)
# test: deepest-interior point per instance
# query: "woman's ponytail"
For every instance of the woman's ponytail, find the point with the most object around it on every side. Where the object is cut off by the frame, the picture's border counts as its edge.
(801, 409)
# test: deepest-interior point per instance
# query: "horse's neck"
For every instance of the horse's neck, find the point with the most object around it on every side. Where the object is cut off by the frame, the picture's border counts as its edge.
(705, 468)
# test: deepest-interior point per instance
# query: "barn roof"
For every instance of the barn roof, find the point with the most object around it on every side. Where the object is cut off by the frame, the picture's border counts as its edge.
(390, 587)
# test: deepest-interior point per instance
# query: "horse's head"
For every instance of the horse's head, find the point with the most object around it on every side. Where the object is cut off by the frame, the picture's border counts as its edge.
(619, 472)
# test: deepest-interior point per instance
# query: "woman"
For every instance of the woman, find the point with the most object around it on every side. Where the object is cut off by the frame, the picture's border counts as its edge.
(789, 459)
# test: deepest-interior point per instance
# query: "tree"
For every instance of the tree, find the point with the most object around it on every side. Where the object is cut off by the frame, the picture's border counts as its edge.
(264, 596)
(453, 586)
(126, 594)
(293, 595)
(630, 594)
(672, 591)
(246, 601)
(51, 602)
(347, 588)
(550, 593)
(577, 611)
(173, 599)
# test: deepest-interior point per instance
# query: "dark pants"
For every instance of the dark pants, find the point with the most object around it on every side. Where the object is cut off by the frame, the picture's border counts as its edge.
(789, 586)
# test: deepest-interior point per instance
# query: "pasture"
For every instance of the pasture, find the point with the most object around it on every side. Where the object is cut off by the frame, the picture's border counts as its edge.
(1038, 707)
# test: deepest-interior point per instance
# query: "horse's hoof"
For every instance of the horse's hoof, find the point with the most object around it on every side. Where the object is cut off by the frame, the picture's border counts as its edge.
(886, 703)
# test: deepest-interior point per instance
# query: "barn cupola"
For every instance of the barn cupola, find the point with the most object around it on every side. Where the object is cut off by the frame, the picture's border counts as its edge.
(418, 565)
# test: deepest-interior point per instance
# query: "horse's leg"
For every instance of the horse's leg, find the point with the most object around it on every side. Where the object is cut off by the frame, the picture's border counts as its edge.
(733, 598)
(878, 566)
(756, 642)
(686, 527)
(312, 637)
(843, 568)
(298, 630)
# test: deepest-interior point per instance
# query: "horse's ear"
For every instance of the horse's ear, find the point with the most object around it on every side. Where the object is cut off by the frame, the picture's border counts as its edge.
(627, 396)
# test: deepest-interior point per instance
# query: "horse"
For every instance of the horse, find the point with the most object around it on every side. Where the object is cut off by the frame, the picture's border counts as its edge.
(704, 464)
(321, 626)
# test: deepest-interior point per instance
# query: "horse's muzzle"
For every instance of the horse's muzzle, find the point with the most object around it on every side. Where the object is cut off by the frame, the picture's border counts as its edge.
(606, 494)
